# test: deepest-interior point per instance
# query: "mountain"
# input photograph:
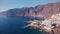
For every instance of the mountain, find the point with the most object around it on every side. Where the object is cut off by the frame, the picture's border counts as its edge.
(44, 11)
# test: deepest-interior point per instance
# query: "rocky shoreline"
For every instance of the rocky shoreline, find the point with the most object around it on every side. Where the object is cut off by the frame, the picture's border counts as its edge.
(49, 26)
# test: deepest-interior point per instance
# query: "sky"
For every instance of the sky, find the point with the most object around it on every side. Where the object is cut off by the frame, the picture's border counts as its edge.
(11, 4)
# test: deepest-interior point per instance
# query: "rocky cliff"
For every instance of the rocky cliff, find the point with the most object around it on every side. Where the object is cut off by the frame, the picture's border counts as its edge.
(38, 11)
(41, 11)
(49, 26)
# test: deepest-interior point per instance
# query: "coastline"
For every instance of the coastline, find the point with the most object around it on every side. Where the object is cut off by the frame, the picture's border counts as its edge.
(49, 26)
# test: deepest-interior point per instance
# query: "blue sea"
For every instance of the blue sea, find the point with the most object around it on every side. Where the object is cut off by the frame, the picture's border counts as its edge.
(15, 25)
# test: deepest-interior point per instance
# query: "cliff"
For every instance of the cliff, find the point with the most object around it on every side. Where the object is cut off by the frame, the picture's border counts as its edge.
(44, 11)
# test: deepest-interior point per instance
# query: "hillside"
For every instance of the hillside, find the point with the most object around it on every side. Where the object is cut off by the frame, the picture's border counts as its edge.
(38, 11)
(49, 26)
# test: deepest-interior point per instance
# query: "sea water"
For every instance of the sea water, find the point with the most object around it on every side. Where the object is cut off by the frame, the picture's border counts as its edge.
(15, 25)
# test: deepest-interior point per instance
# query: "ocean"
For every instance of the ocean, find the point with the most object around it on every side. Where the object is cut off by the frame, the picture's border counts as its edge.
(15, 25)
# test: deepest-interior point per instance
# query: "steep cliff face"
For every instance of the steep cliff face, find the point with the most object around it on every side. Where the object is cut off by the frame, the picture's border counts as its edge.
(48, 9)
(37, 11)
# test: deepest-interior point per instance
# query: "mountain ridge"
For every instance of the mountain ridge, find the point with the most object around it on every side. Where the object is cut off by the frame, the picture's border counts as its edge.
(44, 11)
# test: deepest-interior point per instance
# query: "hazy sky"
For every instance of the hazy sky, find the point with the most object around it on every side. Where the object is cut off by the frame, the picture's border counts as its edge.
(10, 4)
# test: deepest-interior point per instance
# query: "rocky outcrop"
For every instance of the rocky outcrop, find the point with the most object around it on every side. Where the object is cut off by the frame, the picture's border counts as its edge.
(49, 26)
